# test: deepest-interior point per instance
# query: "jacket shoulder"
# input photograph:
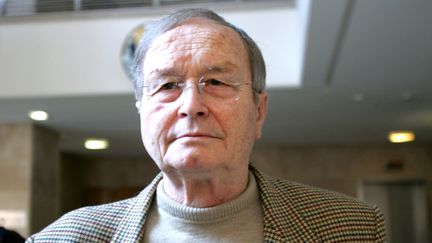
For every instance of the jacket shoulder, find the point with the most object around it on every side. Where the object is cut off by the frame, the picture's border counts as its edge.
(299, 213)
(332, 215)
(87, 224)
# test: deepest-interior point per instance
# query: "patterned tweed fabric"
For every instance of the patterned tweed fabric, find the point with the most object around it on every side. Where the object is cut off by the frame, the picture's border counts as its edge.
(292, 213)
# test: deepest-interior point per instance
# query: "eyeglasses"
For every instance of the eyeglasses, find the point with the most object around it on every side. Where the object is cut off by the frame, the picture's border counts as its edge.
(169, 88)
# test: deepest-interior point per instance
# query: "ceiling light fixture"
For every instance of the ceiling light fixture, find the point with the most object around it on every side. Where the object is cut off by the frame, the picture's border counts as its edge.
(38, 115)
(401, 136)
(96, 144)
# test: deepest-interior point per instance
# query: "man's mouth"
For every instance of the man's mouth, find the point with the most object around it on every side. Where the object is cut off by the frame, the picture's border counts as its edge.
(196, 135)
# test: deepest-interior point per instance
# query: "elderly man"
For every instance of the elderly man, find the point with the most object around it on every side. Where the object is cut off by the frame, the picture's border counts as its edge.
(200, 94)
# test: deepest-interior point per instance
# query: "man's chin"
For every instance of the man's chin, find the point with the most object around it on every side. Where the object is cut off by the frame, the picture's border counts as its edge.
(190, 157)
(193, 164)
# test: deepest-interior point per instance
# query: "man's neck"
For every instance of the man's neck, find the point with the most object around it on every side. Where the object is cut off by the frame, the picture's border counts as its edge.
(205, 190)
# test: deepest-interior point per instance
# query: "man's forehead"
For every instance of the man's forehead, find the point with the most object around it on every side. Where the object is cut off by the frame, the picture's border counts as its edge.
(201, 43)
(196, 29)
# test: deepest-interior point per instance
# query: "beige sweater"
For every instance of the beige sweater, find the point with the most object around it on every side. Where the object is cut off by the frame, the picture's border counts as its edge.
(239, 220)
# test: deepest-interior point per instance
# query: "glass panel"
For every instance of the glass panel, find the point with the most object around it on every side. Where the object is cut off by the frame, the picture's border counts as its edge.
(54, 5)
(106, 4)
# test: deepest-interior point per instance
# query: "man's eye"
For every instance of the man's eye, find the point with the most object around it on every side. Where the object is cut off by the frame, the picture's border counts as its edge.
(215, 82)
(168, 86)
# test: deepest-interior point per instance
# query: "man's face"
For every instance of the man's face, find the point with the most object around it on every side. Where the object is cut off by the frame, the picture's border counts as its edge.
(196, 132)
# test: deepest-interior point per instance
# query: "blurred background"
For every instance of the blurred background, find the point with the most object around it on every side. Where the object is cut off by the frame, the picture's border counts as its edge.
(342, 76)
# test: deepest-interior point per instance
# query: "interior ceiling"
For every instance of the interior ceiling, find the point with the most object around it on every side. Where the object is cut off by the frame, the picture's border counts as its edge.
(380, 55)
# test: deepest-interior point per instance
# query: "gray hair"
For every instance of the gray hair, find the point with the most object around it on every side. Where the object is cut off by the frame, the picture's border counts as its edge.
(155, 29)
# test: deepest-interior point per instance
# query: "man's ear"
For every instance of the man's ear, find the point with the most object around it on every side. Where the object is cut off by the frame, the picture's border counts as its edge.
(261, 113)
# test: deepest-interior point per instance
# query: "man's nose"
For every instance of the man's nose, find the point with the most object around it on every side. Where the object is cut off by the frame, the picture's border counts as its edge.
(192, 102)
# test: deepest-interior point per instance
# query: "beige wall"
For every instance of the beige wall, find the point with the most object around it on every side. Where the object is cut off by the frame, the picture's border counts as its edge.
(15, 175)
(45, 197)
(28, 177)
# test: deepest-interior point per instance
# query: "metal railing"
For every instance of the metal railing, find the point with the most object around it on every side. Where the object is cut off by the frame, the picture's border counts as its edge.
(36, 7)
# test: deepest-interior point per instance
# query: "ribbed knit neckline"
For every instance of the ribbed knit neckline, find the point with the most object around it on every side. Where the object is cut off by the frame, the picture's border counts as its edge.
(211, 214)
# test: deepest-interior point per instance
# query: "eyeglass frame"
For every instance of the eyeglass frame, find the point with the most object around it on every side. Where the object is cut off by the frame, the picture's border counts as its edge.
(200, 85)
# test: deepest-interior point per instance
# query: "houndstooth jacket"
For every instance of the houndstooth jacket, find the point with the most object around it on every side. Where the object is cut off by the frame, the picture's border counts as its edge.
(292, 213)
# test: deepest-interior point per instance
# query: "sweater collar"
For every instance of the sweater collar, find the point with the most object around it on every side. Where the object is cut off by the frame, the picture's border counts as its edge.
(209, 214)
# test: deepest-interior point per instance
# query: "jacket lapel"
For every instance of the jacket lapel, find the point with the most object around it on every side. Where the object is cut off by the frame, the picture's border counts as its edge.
(131, 226)
(282, 222)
